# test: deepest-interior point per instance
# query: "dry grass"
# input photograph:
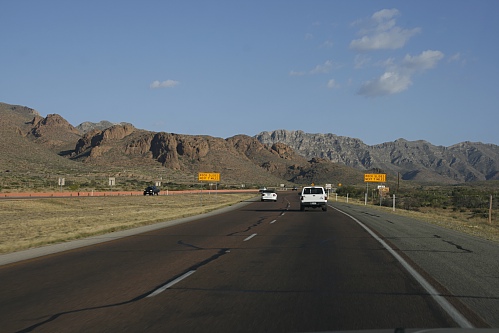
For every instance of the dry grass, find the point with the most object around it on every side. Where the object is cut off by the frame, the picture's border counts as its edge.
(465, 222)
(31, 223)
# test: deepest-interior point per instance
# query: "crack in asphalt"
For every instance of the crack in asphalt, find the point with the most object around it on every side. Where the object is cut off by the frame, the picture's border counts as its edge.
(260, 221)
(180, 242)
(459, 247)
(194, 267)
(370, 214)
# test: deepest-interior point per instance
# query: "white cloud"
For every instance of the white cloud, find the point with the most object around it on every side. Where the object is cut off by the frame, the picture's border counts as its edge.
(398, 77)
(360, 61)
(457, 58)
(426, 60)
(323, 68)
(296, 73)
(385, 14)
(165, 84)
(331, 84)
(383, 33)
(387, 84)
(327, 44)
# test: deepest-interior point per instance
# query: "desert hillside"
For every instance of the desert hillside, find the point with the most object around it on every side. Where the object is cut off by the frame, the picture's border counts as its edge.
(39, 149)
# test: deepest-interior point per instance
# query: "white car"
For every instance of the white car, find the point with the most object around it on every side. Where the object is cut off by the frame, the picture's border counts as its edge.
(313, 197)
(269, 195)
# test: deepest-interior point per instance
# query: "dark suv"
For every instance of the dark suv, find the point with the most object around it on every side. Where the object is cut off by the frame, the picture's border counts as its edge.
(151, 190)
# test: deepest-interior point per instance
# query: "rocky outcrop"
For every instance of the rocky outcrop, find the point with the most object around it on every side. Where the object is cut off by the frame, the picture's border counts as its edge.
(96, 138)
(247, 145)
(53, 131)
(283, 151)
(413, 160)
(19, 110)
(117, 132)
(50, 125)
(88, 126)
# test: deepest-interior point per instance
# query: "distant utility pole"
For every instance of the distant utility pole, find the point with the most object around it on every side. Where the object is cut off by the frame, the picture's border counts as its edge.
(398, 181)
(490, 210)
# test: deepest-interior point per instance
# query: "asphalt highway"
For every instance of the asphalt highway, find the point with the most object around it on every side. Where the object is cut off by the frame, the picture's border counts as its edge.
(265, 267)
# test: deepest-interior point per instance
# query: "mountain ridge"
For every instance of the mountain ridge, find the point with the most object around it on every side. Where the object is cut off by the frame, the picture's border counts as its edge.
(279, 156)
(462, 162)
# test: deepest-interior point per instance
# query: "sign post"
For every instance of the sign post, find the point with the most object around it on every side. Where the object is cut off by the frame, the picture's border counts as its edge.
(112, 182)
(328, 188)
(209, 176)
(373, 178)
(61, 182)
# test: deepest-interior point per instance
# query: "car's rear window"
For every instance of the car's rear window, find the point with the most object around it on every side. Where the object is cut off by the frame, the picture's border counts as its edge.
(312, 190)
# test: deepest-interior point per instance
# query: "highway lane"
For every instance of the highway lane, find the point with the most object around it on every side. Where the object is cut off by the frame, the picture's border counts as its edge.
(463, 266)
(264, 268)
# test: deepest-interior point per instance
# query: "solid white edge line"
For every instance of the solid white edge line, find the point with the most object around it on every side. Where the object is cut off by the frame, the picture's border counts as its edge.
(169, 284)
(249, 237)
(449, 308)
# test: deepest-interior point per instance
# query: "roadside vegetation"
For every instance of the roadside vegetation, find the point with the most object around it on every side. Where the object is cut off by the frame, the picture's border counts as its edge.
(36, 222)
(15, 182)
(473, 209)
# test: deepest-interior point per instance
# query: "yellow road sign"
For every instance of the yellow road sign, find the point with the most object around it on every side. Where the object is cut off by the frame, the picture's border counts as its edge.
(375, 177)
(209, 176)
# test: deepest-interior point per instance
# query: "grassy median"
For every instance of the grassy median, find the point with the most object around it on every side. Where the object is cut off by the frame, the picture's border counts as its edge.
(35, 222)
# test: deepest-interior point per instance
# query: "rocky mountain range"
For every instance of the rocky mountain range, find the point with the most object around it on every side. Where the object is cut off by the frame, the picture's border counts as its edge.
(32, 144)
(412, 160)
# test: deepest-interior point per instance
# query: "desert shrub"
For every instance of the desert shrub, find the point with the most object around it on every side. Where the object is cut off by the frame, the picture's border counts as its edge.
(353, 192)
(74, 187)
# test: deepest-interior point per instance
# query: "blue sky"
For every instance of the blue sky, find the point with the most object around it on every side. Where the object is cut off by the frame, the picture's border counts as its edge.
(373, 70)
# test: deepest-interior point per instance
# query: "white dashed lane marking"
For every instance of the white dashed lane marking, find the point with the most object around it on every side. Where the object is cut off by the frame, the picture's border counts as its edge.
(169, 284)
(248, 238)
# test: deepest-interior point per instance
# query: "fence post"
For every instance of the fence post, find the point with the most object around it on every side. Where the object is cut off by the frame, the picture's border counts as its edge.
(393, 202)
(490, 210)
